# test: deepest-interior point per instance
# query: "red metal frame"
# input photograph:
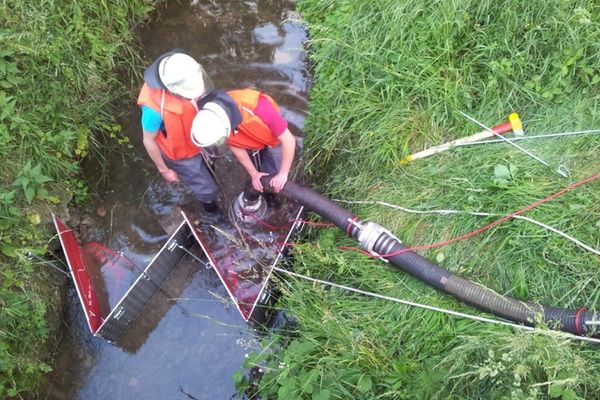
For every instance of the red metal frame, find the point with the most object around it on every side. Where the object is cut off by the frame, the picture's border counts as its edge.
(81, 275)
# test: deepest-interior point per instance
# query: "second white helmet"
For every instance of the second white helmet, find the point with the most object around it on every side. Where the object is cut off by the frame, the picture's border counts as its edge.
(211, 126)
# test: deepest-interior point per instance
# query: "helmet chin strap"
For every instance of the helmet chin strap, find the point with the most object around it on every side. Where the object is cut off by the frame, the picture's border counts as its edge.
(249, 111)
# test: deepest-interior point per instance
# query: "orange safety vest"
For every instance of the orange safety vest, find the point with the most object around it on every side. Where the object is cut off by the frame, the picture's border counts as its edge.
(177, 115)
(252, 133)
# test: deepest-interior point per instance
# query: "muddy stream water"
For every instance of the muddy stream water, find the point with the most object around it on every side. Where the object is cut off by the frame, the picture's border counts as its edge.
(187, 348)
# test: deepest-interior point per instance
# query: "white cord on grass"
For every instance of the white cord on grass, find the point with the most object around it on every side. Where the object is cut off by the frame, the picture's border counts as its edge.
(529, 137)
(530, 154)
(438, 309)
(482, 214)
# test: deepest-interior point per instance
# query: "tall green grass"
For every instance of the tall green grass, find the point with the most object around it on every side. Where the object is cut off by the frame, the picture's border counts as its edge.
(59, 64)
(393, 74)
(389, 79)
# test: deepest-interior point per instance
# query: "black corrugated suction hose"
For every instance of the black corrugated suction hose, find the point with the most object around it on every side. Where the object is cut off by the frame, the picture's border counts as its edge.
(573, 321)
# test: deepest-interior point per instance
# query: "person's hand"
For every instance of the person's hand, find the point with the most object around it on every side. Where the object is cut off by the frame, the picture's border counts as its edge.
(169, 175)
(256, 184)
(278, 181)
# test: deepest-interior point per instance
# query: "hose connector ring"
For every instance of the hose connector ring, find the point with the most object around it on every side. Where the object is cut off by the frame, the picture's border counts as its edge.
(368, 235)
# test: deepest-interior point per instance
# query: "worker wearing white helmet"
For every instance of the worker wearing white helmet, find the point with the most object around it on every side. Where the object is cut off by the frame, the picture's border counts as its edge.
(173, 84)
(249, 122)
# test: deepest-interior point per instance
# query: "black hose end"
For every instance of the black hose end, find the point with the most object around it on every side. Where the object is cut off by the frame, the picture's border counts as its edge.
(266, 182)
(251, 195)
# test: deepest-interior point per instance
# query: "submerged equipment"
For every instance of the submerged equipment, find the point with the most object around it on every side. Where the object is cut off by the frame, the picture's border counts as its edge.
(380, 242)
(249, 206)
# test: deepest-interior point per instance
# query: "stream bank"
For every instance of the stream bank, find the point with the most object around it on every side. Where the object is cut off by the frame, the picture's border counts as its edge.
(240, 44)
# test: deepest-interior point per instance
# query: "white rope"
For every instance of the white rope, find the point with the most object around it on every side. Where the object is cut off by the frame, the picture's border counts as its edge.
(438, 309)
(505, 139)
(529, 137)
(482, 214)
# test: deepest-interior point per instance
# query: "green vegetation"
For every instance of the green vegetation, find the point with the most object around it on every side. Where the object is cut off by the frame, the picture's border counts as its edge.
(57, 85)
(390, 79)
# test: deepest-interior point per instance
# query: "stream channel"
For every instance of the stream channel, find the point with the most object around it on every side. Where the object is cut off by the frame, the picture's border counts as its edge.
(188, 348)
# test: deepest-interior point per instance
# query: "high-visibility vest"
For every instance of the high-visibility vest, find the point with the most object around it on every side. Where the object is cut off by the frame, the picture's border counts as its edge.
(177, 115)
(252, 133)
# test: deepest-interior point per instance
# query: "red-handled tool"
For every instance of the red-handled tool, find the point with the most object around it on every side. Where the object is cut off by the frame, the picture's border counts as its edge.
(513, 125)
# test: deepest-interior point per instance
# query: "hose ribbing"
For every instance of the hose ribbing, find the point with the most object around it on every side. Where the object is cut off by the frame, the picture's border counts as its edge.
(568, 320)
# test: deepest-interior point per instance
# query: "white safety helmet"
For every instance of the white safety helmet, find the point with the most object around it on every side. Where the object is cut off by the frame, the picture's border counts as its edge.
(184, 76)
(210, 129)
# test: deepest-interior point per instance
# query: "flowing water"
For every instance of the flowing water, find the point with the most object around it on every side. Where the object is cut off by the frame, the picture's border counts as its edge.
(186, 348)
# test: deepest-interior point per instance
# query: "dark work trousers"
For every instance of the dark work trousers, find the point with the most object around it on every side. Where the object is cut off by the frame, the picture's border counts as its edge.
(194, 174)
(267, 160)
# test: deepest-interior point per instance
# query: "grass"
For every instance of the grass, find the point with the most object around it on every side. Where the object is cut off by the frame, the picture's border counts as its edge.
(58, 90)
(390, 79)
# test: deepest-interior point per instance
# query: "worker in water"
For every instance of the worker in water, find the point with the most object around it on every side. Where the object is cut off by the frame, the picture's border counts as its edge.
(250, 123)
(173, 84)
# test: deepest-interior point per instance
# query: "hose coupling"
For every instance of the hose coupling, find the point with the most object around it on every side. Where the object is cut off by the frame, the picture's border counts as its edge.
(248, 208)
(249, 205)
(369, 235)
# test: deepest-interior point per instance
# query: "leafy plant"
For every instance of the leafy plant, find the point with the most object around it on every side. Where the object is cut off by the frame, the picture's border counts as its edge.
(32, 180)
(503, 174)
(58, 90)
(8, 206)
(556, 391)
